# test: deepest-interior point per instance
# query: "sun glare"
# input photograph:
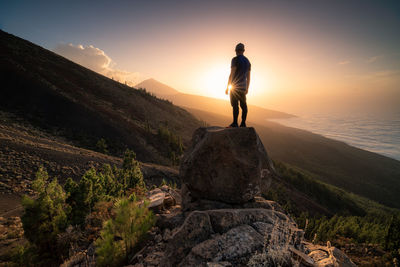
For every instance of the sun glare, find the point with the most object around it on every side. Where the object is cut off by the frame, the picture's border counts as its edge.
(213, 81)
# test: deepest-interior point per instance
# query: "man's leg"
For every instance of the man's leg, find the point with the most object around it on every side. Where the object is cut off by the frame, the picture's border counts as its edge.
(243, 106)
(235, 106)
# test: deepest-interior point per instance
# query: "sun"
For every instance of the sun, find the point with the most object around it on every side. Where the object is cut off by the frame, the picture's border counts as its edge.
(213, 81)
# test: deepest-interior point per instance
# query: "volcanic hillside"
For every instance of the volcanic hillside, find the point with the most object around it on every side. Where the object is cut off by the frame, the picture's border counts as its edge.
(66, 99)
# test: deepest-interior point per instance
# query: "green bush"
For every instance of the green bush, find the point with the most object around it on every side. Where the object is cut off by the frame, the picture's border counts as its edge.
(392, 237)
(45, 217)
(131, 174)
(123, 233)
(103, 185)
(335, 200)
(172, 142)
(25, 255)
(101, 146)
(361, 222)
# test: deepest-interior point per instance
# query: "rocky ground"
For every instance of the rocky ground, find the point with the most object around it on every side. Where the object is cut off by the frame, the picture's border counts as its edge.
(255, 234)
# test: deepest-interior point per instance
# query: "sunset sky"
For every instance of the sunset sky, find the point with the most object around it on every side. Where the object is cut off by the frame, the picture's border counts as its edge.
(305, 55)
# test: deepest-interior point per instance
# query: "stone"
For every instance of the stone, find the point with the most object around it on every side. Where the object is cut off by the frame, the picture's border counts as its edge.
(169, 201)
(341, 258)
(226, 235)
(225, 219)
(195, 229)
(219, 264)
(326, 256)
(156, 199)
(171, 220)
(225, 164)
(318, 255)
(301, 257)
(237, 243)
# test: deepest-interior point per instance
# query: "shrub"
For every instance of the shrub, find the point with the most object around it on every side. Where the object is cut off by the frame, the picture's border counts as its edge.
(45, 217)
(131, 173)
(173, 143)
(123, 233)
(101, 146)
(24, 255)
(392, 238)
(103, 185)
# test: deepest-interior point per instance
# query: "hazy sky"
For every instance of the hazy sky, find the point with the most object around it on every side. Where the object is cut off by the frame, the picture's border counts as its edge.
(305, 55)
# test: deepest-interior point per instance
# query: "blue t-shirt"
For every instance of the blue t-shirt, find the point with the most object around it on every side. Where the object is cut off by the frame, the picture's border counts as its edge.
(243, 66)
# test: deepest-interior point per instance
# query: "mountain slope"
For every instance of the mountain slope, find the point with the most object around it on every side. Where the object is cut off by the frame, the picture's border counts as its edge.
(219, 106)
(358, 171)
(66, 99)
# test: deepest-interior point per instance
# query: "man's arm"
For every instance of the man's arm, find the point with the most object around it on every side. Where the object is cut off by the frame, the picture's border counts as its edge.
(248, 82)
(233, 69)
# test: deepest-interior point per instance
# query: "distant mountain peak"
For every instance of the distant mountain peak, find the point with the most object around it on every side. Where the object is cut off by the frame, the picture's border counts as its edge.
(156, 87)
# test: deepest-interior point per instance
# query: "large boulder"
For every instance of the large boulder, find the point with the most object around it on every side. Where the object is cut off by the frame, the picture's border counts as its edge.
(225, 164)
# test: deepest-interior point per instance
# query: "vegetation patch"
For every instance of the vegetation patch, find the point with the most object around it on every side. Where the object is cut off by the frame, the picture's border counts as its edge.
(352, 218)
(105, 204)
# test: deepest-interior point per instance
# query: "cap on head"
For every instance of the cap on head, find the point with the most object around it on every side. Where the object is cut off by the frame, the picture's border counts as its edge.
(239, 47)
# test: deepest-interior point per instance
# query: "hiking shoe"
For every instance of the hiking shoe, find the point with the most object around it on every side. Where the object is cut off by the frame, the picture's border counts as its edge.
(233, 125)
(243, 124)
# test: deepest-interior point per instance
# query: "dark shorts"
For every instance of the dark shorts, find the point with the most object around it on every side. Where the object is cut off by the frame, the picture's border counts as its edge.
(236, 96)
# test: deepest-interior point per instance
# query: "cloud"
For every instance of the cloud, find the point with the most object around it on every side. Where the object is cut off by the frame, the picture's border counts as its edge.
(344, 62)
(373, 59)
(97, 60)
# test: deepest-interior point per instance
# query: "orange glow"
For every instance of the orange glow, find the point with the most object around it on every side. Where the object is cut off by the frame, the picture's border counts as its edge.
(213, 81)
(292, 68)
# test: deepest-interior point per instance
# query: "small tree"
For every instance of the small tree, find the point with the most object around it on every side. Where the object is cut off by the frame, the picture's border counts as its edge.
(82, 196)
(76, 201)
(101, 146)
(106, 184)
(131, 174)
(121, 234)
(45, 217)
(392, 238)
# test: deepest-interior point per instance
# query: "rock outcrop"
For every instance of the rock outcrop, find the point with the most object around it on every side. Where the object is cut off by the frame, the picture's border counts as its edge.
(224, 223)
(256, 233)
(225, 164)
(228, 235)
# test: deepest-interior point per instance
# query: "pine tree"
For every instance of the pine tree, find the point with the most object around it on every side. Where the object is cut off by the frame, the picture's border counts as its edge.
(45, 217)
(121, 234)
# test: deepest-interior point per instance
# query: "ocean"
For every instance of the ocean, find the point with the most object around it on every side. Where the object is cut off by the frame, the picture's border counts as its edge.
(380, 134)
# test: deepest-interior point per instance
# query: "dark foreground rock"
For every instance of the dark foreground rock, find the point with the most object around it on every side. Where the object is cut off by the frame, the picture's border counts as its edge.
(229, 235)
(249, 235)
(226, 165)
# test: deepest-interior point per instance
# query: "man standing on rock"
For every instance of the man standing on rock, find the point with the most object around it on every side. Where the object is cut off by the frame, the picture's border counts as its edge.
(238, 83)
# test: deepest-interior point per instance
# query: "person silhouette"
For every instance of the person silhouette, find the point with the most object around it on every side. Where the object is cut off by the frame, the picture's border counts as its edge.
(238, 83)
